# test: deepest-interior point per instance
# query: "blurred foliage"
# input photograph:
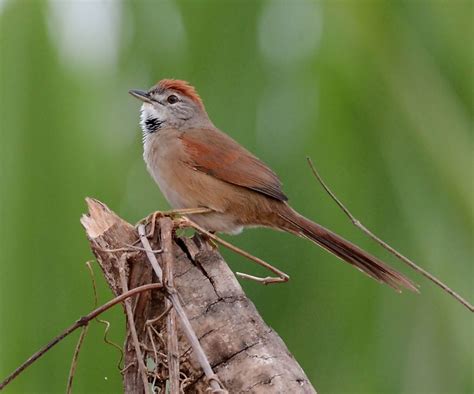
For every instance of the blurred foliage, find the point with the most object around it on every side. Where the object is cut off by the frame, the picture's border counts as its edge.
(379, 93)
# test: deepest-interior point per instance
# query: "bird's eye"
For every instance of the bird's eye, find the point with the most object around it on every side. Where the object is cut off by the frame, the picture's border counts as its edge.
(172, 99)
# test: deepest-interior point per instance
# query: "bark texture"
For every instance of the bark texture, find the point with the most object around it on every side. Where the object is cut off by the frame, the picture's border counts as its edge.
(246, 354)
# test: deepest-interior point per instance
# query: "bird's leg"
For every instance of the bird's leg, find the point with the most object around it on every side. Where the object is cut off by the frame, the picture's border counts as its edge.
(150, 219)
(172, 214)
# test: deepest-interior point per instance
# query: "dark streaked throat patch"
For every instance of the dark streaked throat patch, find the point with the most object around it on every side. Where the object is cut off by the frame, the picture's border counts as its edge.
(153, 124)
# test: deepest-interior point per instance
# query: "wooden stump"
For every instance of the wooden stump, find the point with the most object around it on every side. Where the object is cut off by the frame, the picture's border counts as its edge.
(245, 354)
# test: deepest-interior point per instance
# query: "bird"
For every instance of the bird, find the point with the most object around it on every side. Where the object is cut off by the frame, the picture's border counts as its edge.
(198, 166)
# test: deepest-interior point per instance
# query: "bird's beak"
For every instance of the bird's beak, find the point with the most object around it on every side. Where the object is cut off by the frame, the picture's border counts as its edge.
(140, 95)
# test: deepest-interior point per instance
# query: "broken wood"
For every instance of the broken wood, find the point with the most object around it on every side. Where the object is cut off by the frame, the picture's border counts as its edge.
(244, 353)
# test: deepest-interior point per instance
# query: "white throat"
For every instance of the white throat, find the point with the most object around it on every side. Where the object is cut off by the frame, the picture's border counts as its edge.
(150, 119)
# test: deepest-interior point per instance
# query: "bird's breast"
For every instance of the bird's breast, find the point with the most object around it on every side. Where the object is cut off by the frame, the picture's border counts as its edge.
(163, 156)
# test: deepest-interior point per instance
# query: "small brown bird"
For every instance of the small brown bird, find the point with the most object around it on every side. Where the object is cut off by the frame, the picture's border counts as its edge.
(196, 165)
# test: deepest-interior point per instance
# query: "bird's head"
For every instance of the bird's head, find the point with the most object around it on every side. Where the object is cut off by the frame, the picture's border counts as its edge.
(170, 103)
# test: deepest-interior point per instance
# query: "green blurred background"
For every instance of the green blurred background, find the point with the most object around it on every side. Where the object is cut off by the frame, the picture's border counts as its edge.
(378, 93)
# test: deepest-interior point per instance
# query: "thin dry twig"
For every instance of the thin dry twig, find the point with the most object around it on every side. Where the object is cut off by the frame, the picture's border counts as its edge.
(80, 340)
(128, 248)
(102, 321)
(166, 226)
(83, 321)
(72, 370)
(282, 277)
(131, 325)
(155, 358)
(187, 211)
(161, 316)
(155, 352)
(386, 246)
(160, 337)
(186, 325)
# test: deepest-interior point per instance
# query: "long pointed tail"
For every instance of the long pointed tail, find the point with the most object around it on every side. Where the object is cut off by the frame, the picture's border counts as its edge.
(345, 250)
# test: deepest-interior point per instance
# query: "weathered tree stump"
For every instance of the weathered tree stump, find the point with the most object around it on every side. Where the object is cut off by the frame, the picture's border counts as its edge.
(245, 354)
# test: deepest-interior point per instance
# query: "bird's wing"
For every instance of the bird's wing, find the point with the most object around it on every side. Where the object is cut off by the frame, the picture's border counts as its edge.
(218, 155)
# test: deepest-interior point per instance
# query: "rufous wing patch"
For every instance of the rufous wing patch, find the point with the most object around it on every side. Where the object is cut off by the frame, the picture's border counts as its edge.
(218, 155)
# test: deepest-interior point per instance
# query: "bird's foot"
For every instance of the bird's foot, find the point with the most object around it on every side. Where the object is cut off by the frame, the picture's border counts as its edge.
(150, 222)
(153, 217)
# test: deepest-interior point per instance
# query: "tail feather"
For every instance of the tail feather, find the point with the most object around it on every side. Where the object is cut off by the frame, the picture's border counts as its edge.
(345, 250)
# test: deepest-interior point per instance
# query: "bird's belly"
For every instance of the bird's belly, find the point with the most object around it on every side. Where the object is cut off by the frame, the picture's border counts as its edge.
(172, 189)
(185, 188)
(218, 222)
(181, 198)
